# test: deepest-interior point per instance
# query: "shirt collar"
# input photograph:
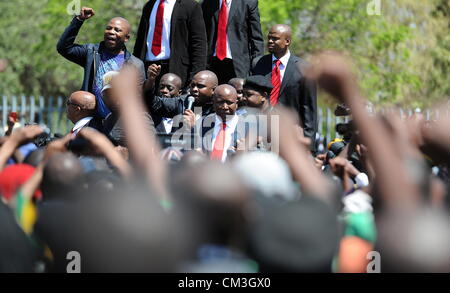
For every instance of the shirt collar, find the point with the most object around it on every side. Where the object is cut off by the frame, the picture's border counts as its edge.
(230, 123)
(284, 60)
(81, 123)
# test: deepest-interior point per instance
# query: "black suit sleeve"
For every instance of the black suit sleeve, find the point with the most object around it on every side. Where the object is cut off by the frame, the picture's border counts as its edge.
(66, 45)
(256, 40)
(197, 41)
(141, 34)
(165, 107)
(308, 107)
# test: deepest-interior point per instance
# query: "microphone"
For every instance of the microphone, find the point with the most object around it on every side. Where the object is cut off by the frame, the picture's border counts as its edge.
(191, 101)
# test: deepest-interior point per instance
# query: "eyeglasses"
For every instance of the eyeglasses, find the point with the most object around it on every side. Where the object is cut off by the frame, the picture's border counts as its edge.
(68, 103)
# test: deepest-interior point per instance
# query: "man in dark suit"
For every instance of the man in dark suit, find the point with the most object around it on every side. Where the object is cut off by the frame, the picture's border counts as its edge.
(81, 111)
(234, 36)
(223, 130)
(290, 87)
(172, 35)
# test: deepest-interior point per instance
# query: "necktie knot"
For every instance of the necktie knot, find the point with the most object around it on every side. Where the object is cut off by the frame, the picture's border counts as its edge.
(224, 126)
(277, 63)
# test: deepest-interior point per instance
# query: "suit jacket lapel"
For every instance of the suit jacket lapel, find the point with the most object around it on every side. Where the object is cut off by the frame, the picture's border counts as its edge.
(207, 138)
(290, 69)
(266, 66)
(232, 12)
(148, 11)
(216, 7)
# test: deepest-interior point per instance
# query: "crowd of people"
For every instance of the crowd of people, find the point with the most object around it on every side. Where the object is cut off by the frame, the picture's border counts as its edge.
(197, 153)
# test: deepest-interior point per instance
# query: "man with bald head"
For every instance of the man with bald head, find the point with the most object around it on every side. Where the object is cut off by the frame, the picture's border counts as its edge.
(170, 85)
(201, 88)
(222, 130)
(98, 59)
(80, 109)
(290, 87)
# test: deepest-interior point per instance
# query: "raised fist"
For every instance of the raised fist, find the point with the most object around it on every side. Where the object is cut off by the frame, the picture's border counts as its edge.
(153, 71)
(86, 13)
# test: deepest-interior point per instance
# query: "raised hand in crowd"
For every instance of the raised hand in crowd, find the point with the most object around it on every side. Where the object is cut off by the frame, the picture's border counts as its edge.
(16, 139)
(142, 145)
(54, 147)
(153, 72)
(319, 160)
(103, 146)
(333, 73)
(298, 157)
(344, 169)
(86, 13)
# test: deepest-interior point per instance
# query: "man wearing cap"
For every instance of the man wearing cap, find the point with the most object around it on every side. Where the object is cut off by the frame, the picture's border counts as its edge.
(290, 87)
(257, 90)
(255, 106)
(98, 59)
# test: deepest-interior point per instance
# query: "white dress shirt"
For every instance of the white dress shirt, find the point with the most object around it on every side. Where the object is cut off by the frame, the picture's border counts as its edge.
(165, 40)
(80, 124)
(167, 123)
(284, 61)
(229, 131)
(228, 2)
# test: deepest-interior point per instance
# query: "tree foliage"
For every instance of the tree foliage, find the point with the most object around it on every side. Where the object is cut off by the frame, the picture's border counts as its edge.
(402, 55)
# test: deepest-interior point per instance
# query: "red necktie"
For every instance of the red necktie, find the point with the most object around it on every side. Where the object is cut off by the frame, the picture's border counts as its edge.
(221, 49)
(219, 144)
(276, 82)
(157, 34)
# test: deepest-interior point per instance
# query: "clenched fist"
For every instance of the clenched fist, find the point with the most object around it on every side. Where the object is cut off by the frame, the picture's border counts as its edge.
(86, 13)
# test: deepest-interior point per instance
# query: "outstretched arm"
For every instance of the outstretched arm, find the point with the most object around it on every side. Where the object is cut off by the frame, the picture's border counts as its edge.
(66, 45)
